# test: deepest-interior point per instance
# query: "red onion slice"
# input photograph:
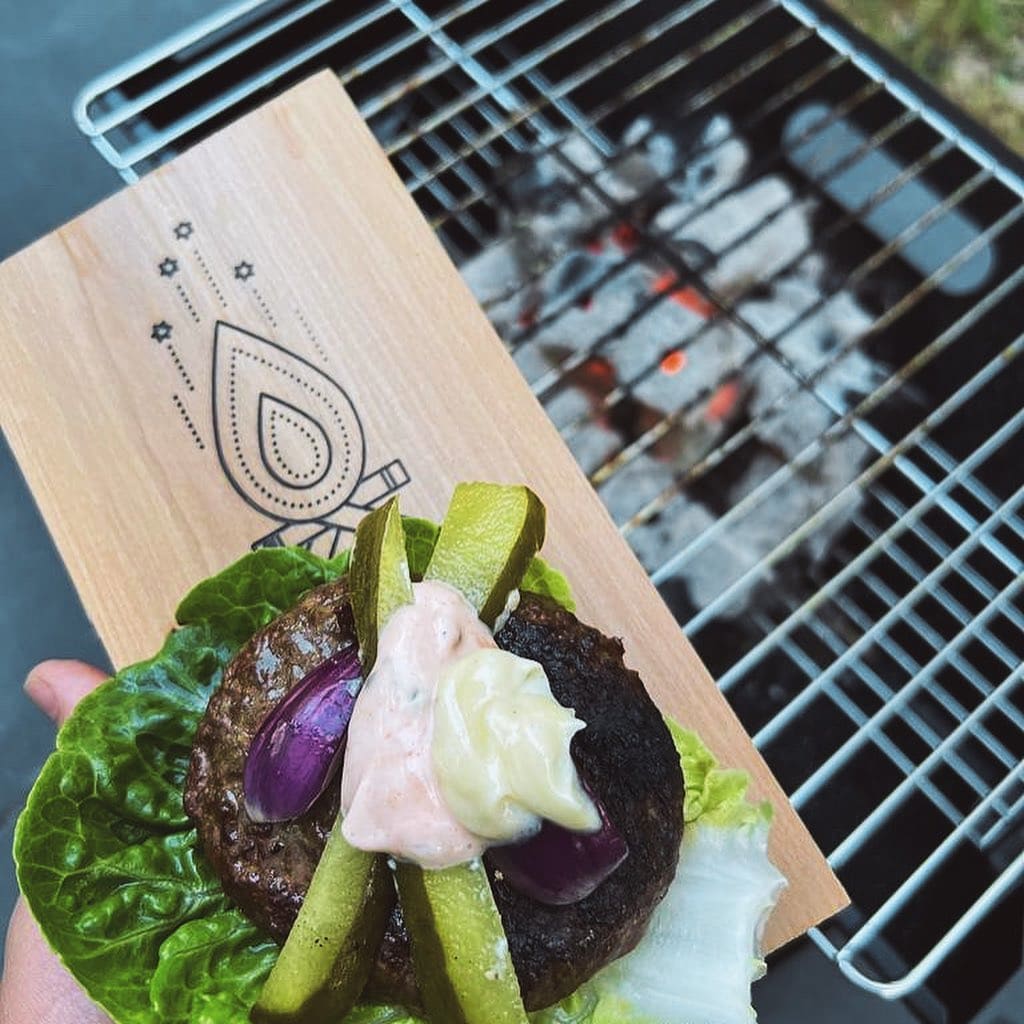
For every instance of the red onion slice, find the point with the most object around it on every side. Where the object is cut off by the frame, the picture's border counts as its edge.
(299, 745)
(556, 866)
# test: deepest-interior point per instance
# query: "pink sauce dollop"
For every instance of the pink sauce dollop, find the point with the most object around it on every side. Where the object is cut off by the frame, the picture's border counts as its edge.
(390, 797)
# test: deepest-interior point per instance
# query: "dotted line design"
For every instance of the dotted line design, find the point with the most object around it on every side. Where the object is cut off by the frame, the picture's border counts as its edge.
(308, 434)
(269, 316)
(180, 367)
(183, 295)
(183, 412)
(236, 438)
(209, 277)
(311, 334)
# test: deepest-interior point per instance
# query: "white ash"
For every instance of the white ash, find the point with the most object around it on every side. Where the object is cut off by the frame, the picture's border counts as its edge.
(559, 265)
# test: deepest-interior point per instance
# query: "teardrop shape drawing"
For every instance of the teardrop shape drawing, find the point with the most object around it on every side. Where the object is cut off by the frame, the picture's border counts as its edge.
(294, 447)
(288, 436)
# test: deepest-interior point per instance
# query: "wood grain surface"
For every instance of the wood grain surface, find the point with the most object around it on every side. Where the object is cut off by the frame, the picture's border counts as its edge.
(260, 340)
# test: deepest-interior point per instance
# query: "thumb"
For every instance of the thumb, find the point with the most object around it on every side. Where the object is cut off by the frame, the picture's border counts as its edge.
(55, 687)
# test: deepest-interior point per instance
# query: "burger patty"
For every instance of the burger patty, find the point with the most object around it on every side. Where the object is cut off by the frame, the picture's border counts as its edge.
(625, 755)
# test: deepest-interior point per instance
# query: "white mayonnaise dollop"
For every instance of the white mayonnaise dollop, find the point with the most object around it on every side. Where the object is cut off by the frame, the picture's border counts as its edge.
(455, 745)
(501, 749)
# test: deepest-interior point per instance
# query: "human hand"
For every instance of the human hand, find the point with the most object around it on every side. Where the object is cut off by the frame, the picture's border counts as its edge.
(36, 989)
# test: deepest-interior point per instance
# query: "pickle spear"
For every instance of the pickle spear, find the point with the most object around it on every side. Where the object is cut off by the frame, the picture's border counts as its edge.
(459, 949)
(379, 581)
(489, 535)
(322, 968)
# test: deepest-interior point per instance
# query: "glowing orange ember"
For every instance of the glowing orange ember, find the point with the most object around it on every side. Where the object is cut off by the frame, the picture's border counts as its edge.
(722, 402)
(596, 371)
(673, 362)
(664, 282)
(624, 235)
(687, 297)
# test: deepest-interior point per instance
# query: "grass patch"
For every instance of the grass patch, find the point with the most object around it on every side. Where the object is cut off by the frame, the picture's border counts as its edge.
(972, 50)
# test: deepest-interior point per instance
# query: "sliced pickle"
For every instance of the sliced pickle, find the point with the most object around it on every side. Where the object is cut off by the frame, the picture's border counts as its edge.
(489, 535)
(460, 952)
(459, 949)
(322, 968)
(379, 581)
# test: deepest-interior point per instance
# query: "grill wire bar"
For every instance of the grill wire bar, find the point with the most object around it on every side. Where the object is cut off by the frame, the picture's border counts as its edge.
(907, 517)
(876, 625)
(603, 472)
(891, 453)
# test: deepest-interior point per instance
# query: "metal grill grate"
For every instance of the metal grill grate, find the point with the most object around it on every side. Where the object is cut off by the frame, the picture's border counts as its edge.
(871, 634)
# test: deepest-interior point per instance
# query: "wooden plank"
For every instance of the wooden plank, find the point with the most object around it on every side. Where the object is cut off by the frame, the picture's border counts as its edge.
(264, 336)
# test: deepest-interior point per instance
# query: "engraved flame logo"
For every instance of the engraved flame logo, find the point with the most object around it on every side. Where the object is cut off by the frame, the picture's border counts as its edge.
(289, 438)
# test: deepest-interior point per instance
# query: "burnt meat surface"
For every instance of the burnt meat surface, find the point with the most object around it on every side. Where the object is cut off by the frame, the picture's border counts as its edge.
(625, 755)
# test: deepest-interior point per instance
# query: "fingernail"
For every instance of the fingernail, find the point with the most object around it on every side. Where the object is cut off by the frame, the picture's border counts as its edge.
(41, 692)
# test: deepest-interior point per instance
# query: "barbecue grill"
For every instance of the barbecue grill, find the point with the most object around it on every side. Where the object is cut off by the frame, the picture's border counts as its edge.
(768, 287)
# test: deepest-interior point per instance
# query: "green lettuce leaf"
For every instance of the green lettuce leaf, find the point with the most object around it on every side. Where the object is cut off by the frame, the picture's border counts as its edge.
(256, 589)
(211, 970)
(714, 795)
(420, 538)
(540, 578)
(104, 852)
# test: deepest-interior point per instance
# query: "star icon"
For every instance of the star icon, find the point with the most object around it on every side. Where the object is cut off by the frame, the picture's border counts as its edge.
(168, 267)
(244, 270)
(161, 331)
(183, 230)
